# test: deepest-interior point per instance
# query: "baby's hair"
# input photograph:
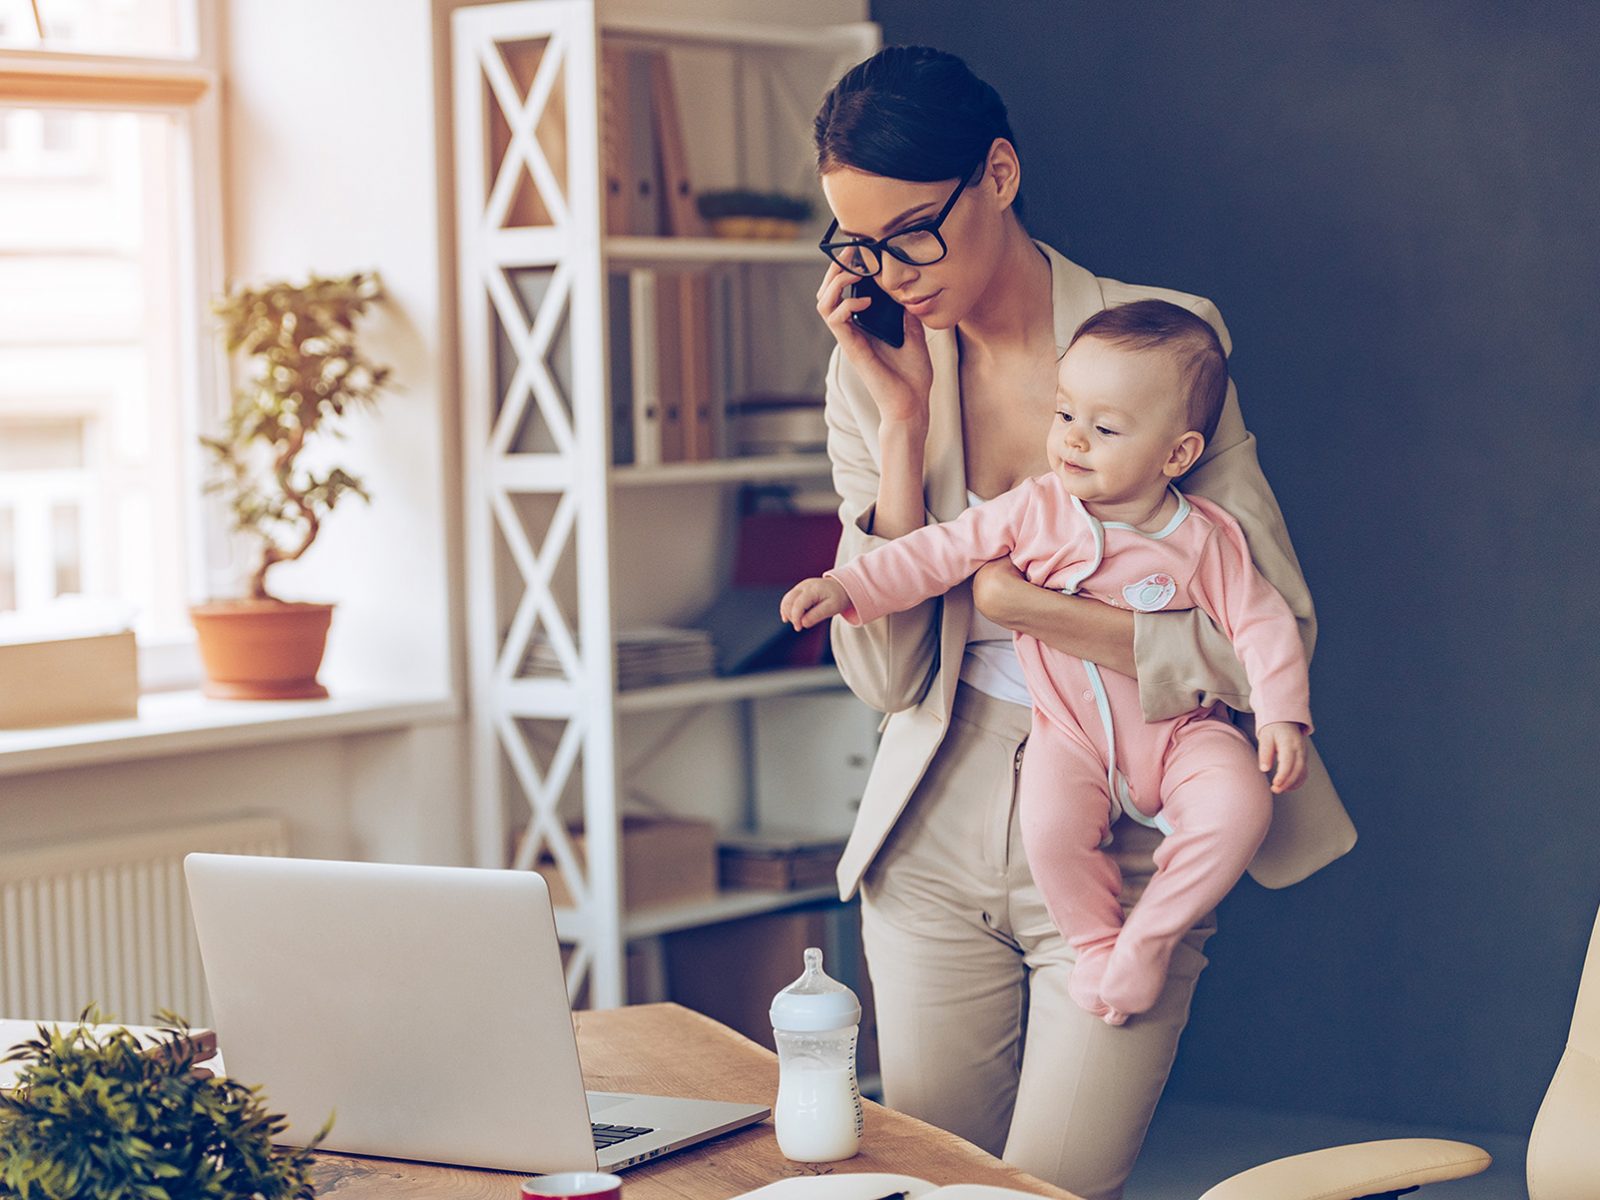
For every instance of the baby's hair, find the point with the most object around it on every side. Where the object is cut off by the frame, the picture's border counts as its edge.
(1160, 325)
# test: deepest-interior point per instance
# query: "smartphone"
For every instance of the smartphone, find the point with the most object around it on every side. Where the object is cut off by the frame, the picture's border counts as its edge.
(884, 318)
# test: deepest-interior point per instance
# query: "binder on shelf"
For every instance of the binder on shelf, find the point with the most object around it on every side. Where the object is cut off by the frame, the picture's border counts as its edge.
(644, 181)
(679, 216)
(694, 327)
(616, 163)
(620, 367)
(726, 363)
(646, 374)
(670, 359)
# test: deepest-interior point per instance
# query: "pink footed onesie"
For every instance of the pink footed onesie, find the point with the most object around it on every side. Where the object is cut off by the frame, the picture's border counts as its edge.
(1091, 756)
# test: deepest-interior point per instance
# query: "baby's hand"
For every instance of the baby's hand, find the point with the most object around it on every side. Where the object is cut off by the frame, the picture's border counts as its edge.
(1285, 743)
(812, 601)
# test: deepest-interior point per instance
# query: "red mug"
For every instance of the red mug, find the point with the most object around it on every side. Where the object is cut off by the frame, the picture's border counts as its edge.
(573, 1185)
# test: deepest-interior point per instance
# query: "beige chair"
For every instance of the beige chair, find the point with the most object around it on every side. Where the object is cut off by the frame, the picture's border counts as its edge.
(1563, 1153)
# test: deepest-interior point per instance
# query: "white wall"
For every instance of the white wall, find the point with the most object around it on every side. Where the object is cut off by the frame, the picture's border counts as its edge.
(329, 141)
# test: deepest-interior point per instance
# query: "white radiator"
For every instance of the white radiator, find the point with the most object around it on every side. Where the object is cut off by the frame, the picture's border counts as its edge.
(107, 920)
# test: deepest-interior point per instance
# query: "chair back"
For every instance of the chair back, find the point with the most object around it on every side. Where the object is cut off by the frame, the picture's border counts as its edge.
(1564, 1150)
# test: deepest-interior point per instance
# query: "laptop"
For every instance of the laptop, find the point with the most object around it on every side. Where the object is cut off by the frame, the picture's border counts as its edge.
(425, 1008)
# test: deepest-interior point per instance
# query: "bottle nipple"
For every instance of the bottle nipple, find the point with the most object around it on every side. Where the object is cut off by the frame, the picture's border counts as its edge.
(815, 1001)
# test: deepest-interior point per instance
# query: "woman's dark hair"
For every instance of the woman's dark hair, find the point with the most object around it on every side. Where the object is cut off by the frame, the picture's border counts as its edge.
(911, 112)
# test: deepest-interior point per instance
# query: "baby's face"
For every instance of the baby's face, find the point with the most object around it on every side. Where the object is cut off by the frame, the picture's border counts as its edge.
(1119, 415)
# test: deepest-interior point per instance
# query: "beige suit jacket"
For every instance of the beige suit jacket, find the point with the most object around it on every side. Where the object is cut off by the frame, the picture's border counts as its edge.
(907, 664)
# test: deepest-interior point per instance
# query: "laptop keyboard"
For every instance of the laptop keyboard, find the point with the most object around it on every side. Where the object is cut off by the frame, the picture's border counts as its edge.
(610, 1135)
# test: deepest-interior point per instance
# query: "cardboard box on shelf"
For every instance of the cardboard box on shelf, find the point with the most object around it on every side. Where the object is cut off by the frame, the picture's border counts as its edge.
(70, 680)
(779, 860)
(664, 860)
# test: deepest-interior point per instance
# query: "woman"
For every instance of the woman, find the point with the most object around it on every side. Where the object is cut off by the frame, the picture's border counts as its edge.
(977, 1034)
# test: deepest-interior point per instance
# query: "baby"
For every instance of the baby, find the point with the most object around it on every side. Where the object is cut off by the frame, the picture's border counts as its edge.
(1138, 392)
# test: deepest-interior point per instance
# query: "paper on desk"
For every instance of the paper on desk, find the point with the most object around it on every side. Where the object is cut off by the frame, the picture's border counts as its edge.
(872, 1186)
(867, 1186)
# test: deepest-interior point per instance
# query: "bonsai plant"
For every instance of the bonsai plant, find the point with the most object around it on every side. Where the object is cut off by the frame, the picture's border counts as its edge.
(305, 372)
(95, 1116)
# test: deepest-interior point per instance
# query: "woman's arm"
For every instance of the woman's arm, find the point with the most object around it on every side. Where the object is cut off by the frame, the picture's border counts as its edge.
(890, 663)
(1074, 625)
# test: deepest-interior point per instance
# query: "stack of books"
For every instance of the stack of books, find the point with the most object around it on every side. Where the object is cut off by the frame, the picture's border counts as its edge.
(767, 424)
(646, 657)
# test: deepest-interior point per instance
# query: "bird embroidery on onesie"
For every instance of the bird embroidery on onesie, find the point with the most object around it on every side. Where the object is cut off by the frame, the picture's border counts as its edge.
(1152, 593)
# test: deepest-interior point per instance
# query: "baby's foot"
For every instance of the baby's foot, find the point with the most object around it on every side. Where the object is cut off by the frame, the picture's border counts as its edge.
(1083, 985)
(1114, 1016)
(1133, 977)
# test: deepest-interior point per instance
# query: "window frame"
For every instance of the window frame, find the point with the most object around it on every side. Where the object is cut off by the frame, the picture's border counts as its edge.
(189, 89)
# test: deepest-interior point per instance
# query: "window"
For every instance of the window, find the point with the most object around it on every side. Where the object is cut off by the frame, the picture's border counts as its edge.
(163, 28)
(106, 263)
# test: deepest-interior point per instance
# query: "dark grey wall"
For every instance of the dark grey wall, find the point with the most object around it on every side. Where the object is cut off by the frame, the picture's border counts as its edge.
(1396, 209)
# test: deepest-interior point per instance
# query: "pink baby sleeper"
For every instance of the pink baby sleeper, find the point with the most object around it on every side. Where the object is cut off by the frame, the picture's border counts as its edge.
(1091, 756)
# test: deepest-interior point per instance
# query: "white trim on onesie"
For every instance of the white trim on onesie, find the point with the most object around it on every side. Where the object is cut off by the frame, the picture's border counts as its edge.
(1116, 781)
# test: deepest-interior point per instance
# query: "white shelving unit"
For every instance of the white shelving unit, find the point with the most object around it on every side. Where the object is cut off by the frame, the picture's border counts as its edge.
(549, 123)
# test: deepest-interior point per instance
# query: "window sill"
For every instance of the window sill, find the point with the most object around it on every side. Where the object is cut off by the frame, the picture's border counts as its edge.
(186, 722)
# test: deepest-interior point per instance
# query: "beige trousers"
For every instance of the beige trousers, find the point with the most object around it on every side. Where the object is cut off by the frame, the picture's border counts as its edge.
(976, 1031)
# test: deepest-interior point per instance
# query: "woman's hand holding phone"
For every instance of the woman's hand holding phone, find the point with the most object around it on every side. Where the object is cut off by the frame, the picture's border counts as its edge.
(898, 378)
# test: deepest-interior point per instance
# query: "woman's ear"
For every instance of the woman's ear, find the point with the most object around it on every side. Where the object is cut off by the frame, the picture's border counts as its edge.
(1003, 173)
(1186, 452)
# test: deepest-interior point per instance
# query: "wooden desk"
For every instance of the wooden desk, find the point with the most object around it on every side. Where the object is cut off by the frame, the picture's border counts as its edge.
(669, 1050)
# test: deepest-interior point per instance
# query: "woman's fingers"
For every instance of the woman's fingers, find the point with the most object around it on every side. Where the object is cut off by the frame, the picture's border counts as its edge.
(839, 318)
(831, 293)
(830, 286)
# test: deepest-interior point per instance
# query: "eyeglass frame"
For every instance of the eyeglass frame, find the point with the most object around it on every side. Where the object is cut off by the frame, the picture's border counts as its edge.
(880, 246)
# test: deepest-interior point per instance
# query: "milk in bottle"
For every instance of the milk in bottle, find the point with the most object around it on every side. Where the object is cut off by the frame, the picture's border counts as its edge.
(818, 1110)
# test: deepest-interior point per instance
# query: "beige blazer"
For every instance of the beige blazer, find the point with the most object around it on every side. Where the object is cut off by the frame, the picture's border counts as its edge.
(907, 664)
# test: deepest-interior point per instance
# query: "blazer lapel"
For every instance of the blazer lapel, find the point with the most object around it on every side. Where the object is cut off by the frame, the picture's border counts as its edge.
(946, 467)
(1074, 295)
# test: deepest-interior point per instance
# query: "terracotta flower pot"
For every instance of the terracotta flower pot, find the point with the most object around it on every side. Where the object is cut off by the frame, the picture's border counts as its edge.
(262, 649)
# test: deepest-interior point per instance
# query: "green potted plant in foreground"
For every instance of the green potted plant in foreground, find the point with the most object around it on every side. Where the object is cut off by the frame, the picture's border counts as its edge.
(97, 1116)
(305, 372)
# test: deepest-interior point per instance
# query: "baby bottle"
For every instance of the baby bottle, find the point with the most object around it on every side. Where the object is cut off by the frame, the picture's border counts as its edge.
(818, 1111)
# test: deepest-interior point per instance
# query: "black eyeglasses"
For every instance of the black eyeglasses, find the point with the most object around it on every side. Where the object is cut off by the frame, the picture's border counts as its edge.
(921, 245)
